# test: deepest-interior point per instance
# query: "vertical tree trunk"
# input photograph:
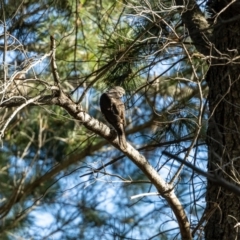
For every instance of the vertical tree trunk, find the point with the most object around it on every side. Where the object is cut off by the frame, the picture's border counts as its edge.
(223, 136)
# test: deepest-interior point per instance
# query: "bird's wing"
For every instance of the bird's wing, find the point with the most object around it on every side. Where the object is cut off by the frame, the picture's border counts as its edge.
(118, 109)
(109, 109)
(113, 109)
(105, 102)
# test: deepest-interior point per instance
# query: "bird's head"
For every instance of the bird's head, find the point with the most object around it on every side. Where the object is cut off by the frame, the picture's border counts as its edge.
(116, 92)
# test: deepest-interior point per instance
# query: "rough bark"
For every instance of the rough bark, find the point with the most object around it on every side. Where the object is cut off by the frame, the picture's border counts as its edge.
(223, 131)
(197, 25)
(224, 103)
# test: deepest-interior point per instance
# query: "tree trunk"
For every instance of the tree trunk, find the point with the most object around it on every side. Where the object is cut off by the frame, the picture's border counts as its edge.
(223, 136)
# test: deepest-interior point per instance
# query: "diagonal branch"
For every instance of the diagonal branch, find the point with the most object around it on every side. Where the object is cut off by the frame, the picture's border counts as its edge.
(76, 111)
(101, 129)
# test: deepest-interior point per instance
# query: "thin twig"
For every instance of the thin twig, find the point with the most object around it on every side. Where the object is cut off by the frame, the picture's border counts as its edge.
(53, 62)
(14, 114)
(215, 179)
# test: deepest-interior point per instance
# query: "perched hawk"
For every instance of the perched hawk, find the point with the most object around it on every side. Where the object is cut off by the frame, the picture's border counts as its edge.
(113, 110)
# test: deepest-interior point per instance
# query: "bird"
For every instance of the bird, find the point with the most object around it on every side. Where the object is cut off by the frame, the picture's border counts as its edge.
(113, 110)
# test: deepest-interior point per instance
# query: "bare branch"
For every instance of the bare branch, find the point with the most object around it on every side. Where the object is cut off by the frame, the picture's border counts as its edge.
(15, 112)
(145, 195)
(165, 190)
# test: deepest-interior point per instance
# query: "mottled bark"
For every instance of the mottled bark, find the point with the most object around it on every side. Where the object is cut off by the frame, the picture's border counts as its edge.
(197, 25)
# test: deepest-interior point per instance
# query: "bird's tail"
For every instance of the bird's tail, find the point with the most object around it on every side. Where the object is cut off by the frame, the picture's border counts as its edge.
(122, 138)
